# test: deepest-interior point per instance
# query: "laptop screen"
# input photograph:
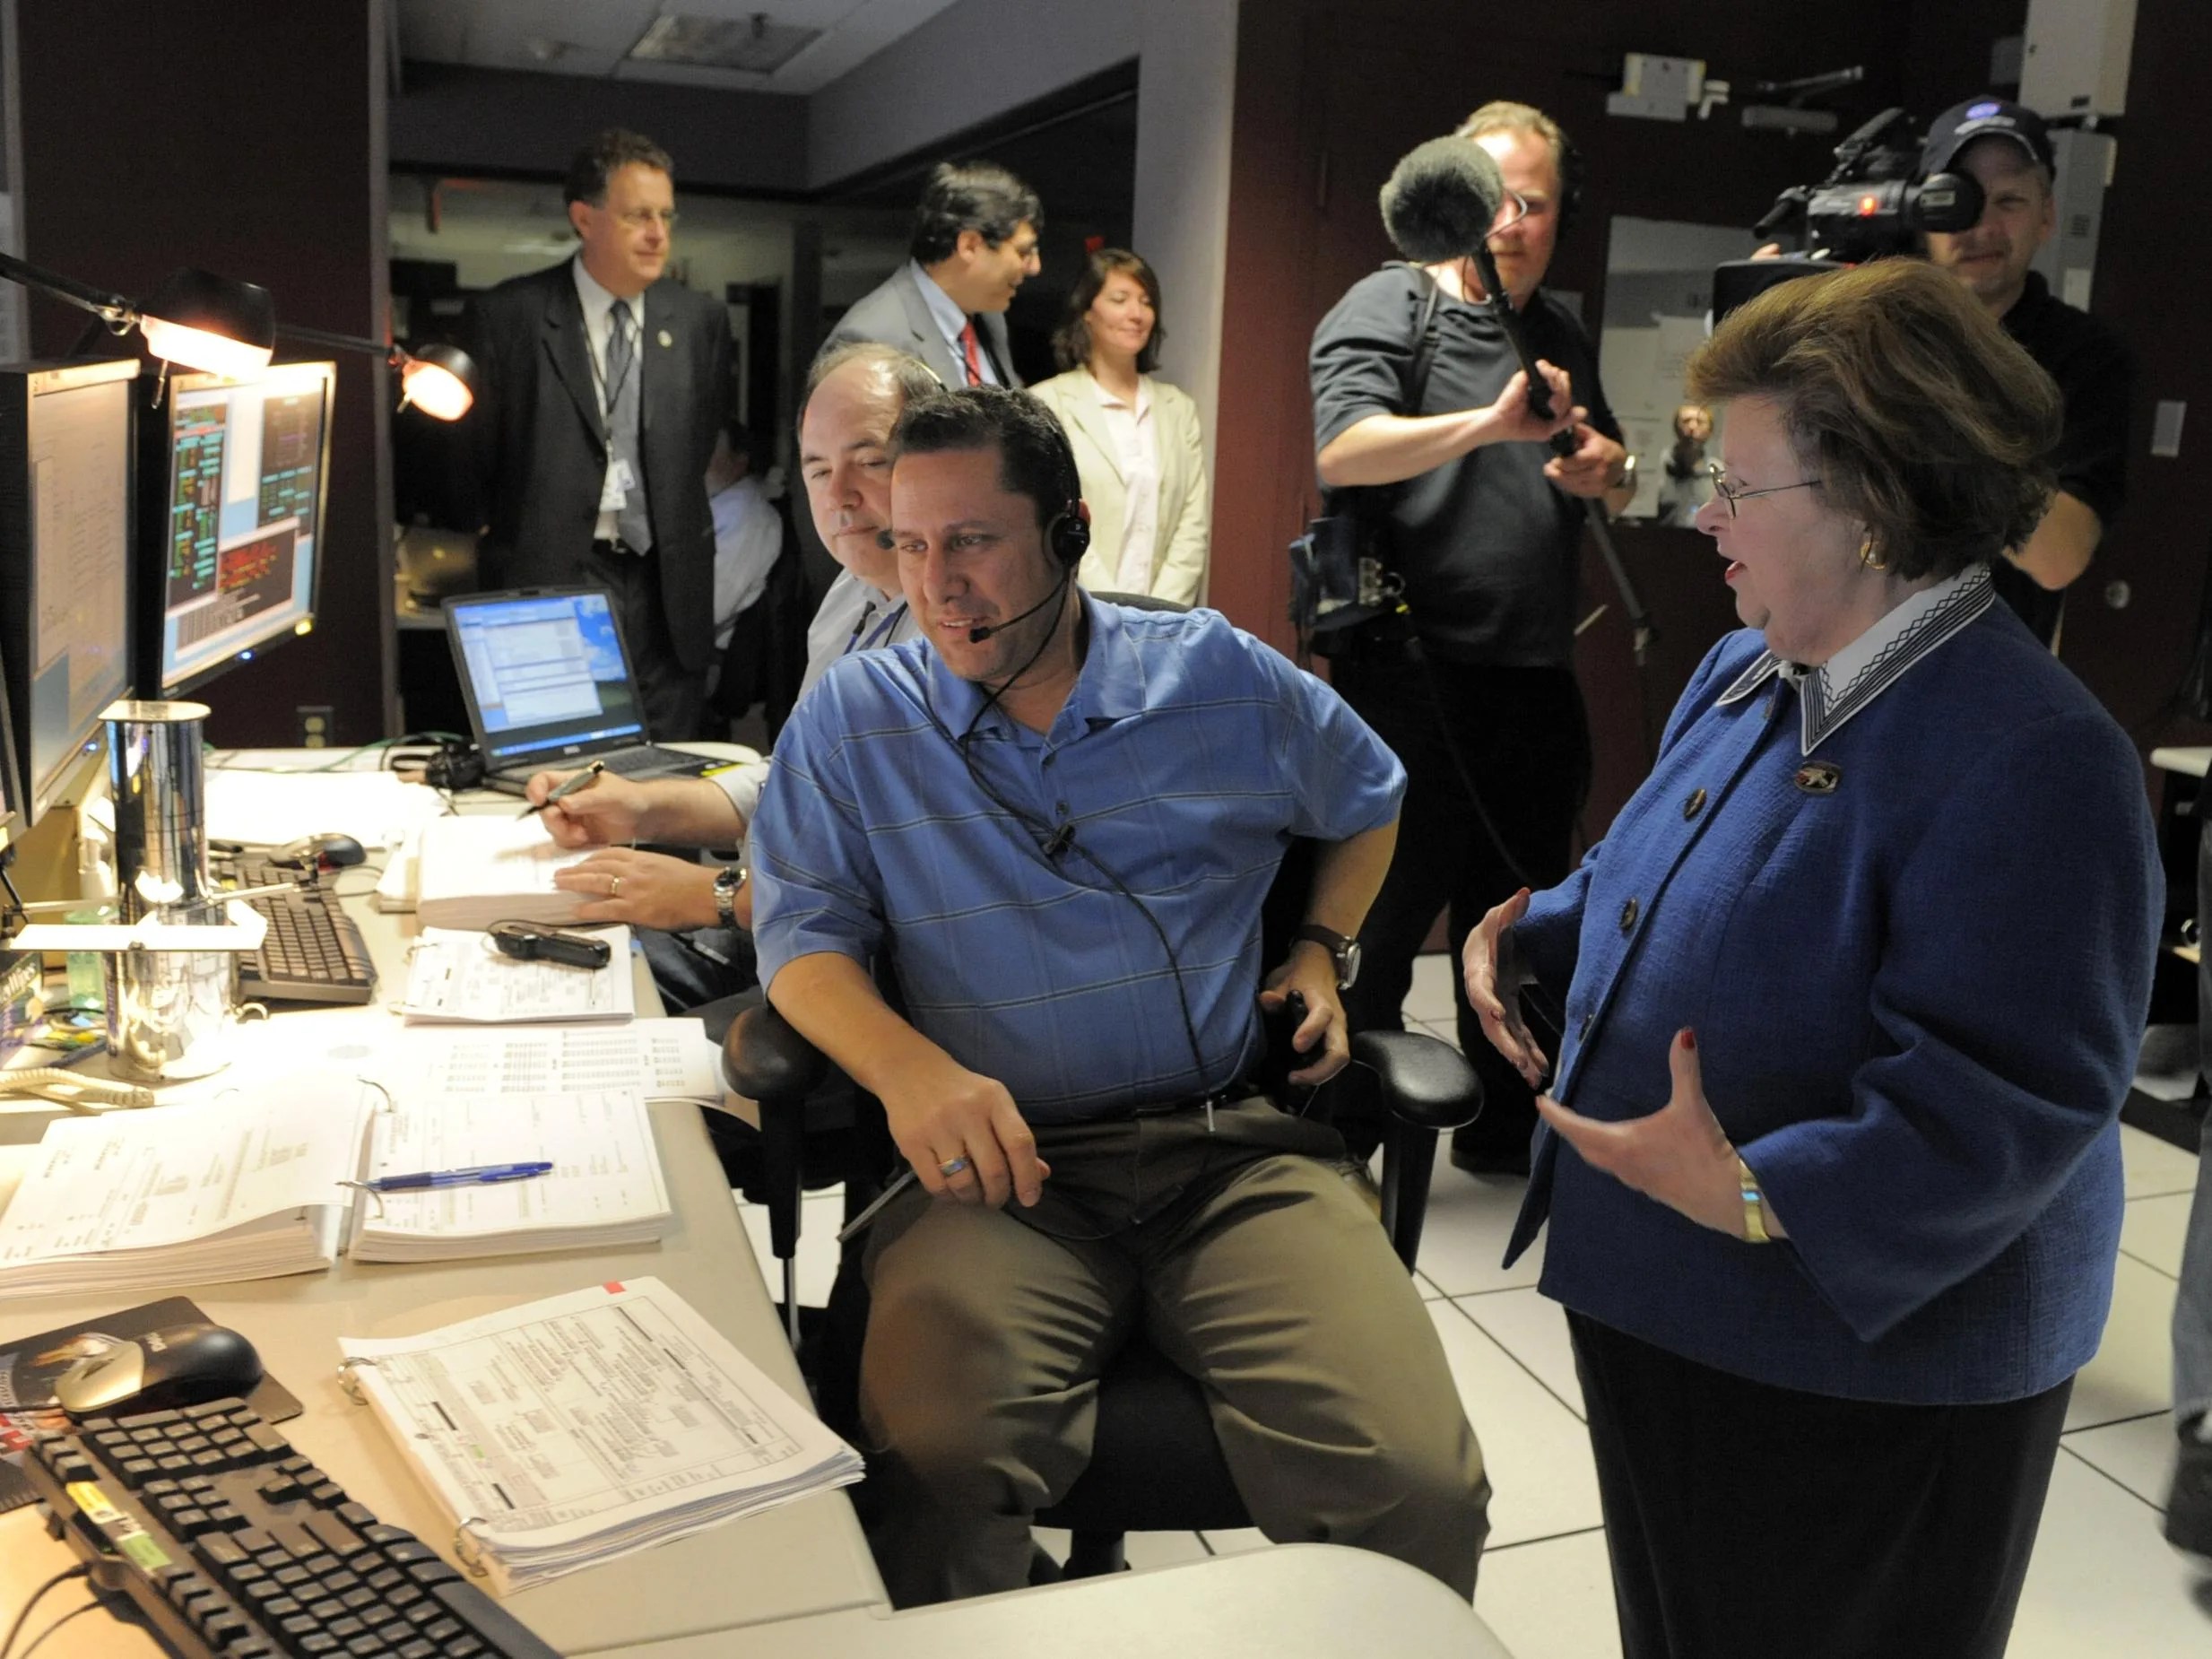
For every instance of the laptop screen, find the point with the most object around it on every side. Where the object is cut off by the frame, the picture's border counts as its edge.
(546, 675)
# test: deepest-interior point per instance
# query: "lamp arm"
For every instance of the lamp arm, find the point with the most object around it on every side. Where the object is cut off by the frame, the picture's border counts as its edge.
(336, 342)
(113, 308)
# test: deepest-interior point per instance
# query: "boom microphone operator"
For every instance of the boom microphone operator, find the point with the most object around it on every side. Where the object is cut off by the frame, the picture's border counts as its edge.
(1440, 204)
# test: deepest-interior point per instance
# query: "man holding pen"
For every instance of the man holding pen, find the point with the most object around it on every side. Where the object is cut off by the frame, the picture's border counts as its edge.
(700, 913)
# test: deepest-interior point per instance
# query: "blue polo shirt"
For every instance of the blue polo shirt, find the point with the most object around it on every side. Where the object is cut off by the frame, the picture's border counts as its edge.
(1186, 757)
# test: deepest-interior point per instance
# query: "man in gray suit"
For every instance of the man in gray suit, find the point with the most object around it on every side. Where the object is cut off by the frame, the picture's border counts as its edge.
(603, 385)
(974, 242)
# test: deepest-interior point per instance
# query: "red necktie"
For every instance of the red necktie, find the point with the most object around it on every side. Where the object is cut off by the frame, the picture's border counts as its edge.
(970, 351)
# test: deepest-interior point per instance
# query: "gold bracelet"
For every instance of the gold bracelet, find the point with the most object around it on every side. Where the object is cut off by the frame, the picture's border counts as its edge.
(1754, 1212)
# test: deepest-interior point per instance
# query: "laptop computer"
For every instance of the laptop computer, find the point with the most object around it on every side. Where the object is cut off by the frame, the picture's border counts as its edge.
(547, 685)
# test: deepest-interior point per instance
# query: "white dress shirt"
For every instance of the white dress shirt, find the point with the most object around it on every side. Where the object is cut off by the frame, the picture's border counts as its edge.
(1136, 445)
(951, 323)
(598, 317)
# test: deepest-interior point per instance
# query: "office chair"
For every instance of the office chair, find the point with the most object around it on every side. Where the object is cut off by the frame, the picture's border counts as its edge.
(1151, 1416)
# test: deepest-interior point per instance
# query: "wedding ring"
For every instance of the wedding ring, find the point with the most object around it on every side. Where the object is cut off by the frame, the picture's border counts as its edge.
(614, 888)
(951, 1166)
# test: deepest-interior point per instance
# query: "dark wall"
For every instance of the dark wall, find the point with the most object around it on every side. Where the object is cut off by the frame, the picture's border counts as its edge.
(254, 148)
(450, 119)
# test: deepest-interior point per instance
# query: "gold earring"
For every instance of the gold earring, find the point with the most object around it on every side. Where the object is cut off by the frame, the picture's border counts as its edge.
(1866, 555)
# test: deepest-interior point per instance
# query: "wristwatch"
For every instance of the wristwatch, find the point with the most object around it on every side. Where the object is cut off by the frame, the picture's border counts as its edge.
(1345, 950)
(727, 880)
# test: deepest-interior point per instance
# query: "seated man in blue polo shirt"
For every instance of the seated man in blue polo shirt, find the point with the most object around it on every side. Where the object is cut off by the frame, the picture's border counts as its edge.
(1057, 819)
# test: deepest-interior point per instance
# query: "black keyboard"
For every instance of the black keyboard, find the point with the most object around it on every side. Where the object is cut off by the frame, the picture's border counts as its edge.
(234, 1546)
(314, 953)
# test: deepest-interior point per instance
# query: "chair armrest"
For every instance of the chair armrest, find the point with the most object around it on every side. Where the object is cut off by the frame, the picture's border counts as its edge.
(1427, 1081)
(766, 1061)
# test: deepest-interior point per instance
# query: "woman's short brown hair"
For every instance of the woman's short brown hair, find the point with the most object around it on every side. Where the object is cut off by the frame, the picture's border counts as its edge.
(1071, 339)
(1907, 400)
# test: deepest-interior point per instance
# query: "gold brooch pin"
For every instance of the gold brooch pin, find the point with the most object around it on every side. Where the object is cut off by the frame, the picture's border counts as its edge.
(1817, 777)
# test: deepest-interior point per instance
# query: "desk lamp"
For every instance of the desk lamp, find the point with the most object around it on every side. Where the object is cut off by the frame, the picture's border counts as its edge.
(195, 318)
(440, 380)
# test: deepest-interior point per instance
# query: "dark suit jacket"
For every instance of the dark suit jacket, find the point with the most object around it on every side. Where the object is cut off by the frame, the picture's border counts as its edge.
(894, 312)
(541, 454)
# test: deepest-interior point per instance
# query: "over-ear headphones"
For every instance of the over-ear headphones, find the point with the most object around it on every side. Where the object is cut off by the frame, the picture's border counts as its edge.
(1068, 535)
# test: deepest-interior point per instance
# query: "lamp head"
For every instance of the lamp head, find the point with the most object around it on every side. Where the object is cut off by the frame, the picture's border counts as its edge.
(440, 380)
(203, 321)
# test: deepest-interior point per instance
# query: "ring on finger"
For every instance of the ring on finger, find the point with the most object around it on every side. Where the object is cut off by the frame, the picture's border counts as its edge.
(952, 1167)
(614, 888)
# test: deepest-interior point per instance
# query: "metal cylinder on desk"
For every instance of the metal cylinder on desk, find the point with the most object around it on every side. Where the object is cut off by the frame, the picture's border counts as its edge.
(168, 1012)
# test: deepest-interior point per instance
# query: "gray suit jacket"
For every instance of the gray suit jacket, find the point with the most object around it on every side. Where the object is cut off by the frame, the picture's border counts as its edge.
(894, 312)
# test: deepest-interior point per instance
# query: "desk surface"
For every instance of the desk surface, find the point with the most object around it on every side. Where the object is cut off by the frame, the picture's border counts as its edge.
(1291, 1601)
(804, 1559)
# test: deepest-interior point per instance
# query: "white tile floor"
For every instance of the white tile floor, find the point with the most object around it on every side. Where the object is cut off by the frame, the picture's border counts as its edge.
(2102, 1580)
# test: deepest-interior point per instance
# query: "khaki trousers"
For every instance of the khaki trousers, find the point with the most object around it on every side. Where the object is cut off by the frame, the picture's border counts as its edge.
(1244, 1256)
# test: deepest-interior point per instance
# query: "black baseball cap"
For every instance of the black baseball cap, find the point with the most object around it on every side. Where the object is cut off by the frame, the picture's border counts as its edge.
(1986, 118)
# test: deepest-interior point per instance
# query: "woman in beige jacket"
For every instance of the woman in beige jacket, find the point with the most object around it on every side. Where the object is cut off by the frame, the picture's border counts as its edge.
(1136, 439)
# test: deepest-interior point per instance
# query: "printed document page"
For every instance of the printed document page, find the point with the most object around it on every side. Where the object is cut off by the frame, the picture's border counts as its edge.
(472, 871)
(579, 1428)
(459, 975)
(662, 1059)
(606, 1178)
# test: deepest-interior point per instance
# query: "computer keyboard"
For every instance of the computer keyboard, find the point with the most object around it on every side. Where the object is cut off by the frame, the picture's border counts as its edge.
(235, 1546)
(314, 953)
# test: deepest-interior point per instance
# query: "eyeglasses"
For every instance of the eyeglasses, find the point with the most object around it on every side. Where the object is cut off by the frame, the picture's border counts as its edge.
(638, 218)
(1721, 487)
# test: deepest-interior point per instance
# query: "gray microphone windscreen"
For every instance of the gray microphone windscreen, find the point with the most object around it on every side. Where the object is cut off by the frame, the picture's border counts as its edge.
(1440, 200)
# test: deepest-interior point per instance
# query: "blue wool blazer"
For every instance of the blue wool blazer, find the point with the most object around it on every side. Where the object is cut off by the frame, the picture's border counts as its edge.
(1918, 1001)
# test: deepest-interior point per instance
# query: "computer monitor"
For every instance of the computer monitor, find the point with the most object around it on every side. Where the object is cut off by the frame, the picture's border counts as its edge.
(65, 472)
(229, 549)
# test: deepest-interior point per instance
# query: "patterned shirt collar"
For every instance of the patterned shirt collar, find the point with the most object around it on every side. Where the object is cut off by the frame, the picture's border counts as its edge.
(1832, 693)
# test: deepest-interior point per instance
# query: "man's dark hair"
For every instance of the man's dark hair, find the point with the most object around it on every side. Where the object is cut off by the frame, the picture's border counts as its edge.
(1034, 459)
(914, 379)
(971, 195)
(606, 155)
(1071, 339)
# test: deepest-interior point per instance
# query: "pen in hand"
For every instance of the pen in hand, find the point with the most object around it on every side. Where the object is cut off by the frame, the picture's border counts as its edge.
(582, 780)
(482, 1174)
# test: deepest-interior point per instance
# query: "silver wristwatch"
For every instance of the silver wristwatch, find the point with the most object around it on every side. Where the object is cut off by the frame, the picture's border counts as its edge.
(727, 880)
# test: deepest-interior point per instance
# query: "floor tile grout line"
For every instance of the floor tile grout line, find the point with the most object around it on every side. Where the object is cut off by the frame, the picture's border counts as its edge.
(2114, 1422)
(2145, 1261)
(1491, 1337)
(2103, 1474)
(1549, 1538)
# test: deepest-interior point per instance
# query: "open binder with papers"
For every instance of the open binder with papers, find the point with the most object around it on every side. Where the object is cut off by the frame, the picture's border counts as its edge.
(573, 1431)
(263, 1181)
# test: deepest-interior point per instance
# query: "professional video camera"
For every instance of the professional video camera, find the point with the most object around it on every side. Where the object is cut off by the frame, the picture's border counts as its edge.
(1870, 205)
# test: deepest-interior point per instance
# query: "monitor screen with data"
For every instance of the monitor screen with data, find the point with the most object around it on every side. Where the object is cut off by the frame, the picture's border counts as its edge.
(232, 544)
(66, 577)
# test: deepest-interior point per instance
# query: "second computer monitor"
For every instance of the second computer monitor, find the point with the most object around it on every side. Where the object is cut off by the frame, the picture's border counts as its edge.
(234, 545)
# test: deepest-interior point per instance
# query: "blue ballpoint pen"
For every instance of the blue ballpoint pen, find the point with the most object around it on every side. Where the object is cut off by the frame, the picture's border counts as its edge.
(482, 1174)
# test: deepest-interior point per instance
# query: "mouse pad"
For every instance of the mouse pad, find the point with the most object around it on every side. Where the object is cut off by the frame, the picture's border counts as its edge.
(28, 1368)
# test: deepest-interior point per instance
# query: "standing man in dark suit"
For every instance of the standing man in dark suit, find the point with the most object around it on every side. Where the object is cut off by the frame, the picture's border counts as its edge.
(975, 243)
(602, 388)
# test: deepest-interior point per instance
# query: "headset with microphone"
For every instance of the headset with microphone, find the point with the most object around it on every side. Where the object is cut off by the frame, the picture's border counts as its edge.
(1069, 537)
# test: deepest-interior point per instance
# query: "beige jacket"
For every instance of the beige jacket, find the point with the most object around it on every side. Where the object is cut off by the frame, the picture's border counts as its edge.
(1179, 545)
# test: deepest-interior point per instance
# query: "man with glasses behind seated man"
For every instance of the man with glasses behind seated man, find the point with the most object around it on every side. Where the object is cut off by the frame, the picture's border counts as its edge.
(1057, 818)
(602, 387)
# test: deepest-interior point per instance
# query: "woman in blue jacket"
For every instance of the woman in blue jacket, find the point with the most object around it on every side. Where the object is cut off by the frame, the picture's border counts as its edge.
(1850, 995)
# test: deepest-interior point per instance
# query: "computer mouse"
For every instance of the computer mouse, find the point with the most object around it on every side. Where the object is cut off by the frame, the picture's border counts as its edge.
(336, 852)
(181, 1365)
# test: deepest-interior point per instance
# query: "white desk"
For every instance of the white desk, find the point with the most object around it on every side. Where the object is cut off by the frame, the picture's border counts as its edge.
(807, 1557)
(1291, 1601)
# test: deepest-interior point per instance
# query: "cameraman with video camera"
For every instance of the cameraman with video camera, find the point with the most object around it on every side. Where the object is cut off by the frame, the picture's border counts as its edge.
(1473, 684)
(2006, 149)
